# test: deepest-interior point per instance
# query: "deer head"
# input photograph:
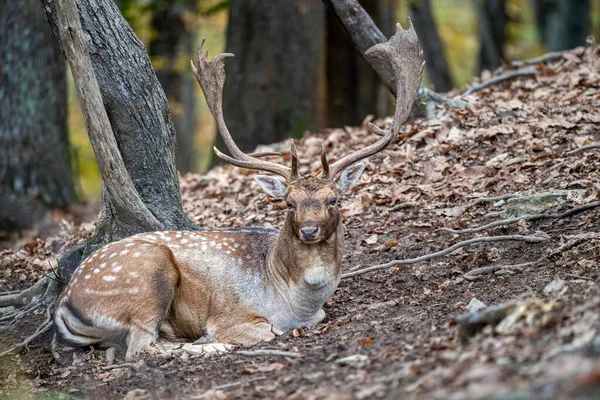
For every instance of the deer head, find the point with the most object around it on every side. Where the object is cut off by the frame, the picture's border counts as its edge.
(313, 201)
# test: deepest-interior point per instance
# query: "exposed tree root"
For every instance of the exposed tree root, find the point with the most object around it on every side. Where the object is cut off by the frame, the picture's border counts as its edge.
(456, 246)
(501, 78)
(43, 328)
(508, 221)
(24, 297)
(548, 57)
(584, 148)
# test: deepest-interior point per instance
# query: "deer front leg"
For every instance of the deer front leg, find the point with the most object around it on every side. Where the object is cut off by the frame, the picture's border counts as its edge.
(319, 316)
(247, 333)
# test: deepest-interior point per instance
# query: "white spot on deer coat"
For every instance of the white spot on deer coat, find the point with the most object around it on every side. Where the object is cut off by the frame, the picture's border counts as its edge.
(109, 278)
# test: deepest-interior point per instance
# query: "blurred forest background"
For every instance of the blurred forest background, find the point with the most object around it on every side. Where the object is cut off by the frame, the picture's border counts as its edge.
(295, 70)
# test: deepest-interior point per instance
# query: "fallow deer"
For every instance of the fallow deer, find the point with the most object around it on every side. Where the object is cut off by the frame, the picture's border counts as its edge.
(237, 286)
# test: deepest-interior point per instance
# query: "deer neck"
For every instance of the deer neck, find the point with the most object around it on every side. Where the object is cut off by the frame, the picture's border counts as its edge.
(305, 275)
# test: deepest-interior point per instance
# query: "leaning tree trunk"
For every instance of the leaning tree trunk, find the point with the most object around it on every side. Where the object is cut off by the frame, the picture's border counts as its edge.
(353, 87)
(492, 22)
(145, 194)
(171, 49)
(35, 170)
(438, 71)
(566, 23)
(272, 88)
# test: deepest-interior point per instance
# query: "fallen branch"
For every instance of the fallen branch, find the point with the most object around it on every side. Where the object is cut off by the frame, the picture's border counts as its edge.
(508, 221)
(501, 78)
(456, 246)
(267, 352)
(584, 148)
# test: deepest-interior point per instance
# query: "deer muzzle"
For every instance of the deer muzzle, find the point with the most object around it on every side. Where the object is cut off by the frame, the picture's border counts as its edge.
(309, 232)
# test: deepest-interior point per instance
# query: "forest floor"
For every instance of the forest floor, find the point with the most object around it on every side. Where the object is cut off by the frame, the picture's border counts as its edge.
(398, 332)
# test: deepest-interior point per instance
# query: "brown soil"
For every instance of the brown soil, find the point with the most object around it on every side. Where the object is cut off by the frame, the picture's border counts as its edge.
(400, 324)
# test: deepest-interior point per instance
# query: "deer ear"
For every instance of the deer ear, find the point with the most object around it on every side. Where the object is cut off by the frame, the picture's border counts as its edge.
(271, 185)
(349, 177)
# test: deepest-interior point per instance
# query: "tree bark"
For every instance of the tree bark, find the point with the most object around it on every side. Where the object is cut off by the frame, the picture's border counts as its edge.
(273, 86)
(170, 50)
(35, 170)
(433, 48)
(566, 23)
(364, 34)
(492, 22)
(141, 123)
(353, 87)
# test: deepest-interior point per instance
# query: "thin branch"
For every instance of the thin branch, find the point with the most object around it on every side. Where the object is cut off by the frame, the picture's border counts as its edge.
(454, 247)
(584, 148)
(115, 176)
(501, 78)
(268, 352)
(508, 221)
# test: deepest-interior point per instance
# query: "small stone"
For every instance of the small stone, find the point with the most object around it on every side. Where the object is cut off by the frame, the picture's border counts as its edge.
(475, 305)
(554, 286)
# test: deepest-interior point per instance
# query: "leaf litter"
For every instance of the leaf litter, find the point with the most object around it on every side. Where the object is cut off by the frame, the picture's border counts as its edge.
(398, 330)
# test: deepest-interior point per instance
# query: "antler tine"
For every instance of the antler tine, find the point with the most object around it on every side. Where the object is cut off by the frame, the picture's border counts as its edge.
(294, 172)
(405, 56)
(324, 163)
(211, 77)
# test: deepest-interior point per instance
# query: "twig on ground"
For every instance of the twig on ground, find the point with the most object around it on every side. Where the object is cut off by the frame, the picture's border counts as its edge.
(583, 148)
(238, 383)
(501, 78)
(268, 352)
(494, 269)
(118, 366)
(579, 277)
(456, 246)
(533, 217)
(39, 332)
(406, 204)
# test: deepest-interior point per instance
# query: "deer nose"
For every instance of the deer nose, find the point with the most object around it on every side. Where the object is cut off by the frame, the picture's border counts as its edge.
(309, 230)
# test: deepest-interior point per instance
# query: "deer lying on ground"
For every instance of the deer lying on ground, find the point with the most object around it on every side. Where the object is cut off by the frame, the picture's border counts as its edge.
(237, 286)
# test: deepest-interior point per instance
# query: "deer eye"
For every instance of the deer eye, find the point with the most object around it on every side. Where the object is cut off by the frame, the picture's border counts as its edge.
(333, 201)
(289, 204)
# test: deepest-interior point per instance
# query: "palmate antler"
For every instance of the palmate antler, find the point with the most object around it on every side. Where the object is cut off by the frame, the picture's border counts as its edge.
(211, 77)
(405, 56)
(403, 53)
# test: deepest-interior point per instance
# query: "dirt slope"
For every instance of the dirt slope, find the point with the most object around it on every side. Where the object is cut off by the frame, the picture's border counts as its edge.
(395, 333)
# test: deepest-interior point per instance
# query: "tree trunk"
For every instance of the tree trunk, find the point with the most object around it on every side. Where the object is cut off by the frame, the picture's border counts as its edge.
(273, 86)
(353, 87)
(566, 24)
(141, 124)
(35, 170)
(433, 48)
(170, 50)
(492, 23)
